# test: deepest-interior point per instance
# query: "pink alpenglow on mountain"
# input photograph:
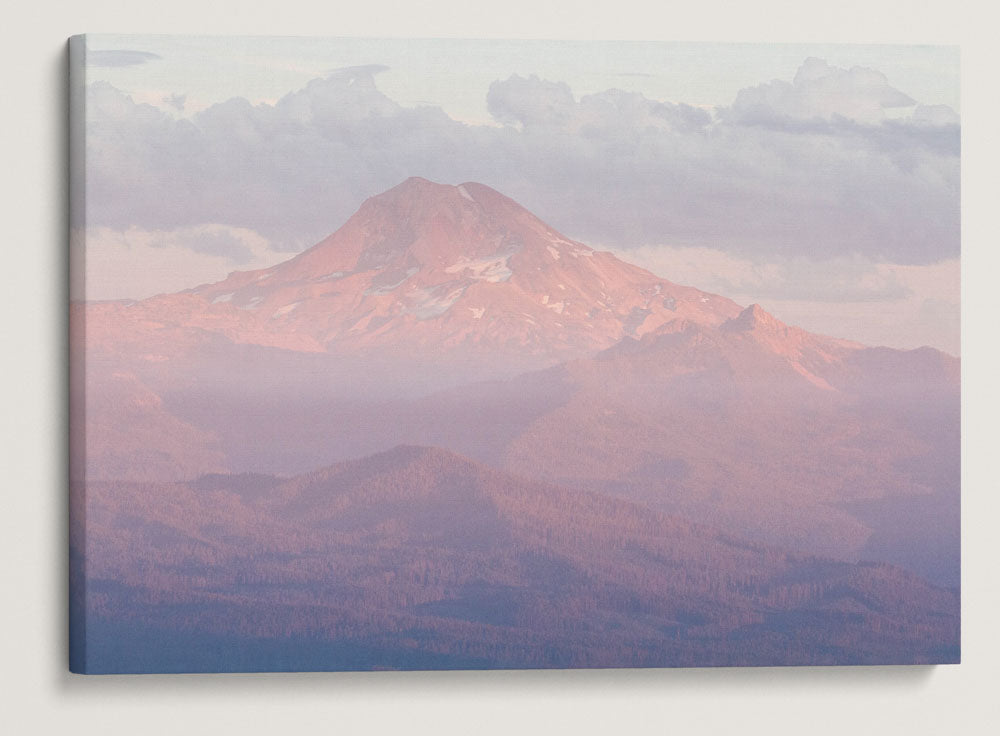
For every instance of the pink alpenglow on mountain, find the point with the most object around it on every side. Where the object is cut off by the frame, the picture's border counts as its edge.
(459, 271)
(531, 454)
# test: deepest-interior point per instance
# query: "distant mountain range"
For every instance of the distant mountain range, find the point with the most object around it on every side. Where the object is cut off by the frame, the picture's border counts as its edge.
(587, 399)
(418, 557)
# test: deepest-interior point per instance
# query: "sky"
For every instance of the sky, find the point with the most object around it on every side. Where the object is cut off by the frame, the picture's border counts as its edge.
(821, 182)
(455, 74)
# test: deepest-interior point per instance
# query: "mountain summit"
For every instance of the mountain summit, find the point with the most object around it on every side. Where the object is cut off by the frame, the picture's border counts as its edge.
(448, 270)
(754, 318)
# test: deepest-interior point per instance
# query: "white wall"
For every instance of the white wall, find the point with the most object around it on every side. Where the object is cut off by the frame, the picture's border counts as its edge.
(38, 696)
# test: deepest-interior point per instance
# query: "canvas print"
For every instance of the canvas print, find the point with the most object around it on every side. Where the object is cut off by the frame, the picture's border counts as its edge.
(443, 354)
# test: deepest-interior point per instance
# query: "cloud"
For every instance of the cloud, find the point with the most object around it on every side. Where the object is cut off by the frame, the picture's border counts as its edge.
(935, 116)
(825, 178)
(293, 171)
(536, 103)
(175, 101)
(873, 302)
(850, 279)
(119, 57)
(138, 263)
(532, 101)
(819, 92)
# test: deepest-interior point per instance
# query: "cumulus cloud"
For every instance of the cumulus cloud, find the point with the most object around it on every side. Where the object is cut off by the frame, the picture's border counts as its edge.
(820, 91)
(828, 176)
(536, 103)
(531, 101)
(293, 171)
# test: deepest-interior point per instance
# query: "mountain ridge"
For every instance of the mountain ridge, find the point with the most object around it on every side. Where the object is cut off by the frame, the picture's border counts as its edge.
(447, 270)
(519, 575)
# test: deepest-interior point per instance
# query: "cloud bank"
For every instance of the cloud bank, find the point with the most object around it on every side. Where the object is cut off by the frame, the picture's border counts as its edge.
(809, 168)
(833, 167)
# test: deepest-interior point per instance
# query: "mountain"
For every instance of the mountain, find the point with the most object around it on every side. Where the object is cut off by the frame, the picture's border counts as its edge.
(450, 316)
(769, 432)
(754, 426)
(417, 558)
(533, 454)
(449, 273)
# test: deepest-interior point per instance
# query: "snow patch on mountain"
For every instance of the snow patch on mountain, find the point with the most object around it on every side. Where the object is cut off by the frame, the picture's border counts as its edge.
(253, 303)
(285, 309)
(495, 269)
(392, 286)
(434, 301)
(332, 276)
